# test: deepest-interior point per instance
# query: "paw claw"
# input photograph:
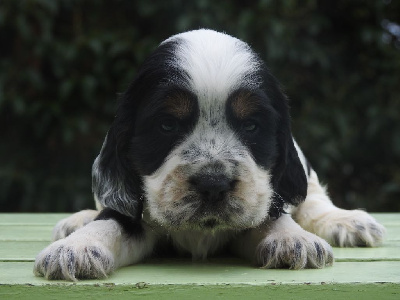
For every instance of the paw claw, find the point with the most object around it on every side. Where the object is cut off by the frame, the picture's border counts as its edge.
(353, 228)
(67, 260)
(308, 251)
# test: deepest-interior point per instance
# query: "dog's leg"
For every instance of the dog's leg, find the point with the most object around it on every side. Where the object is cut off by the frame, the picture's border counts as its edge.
(72, 223)
(283, 244)
(95, 250)
(344, 228)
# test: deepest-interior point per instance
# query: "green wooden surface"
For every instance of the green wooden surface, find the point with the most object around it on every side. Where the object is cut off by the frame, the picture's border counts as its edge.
(366, 273)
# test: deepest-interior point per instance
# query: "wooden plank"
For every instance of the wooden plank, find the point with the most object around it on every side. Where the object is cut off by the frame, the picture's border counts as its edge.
(14, 230)
(165, 292)
(43, 232)
(20, 251)
(390, 251)
(366, 273)
(25, 232)
(27, 251)
(30, 227)
(53, 218)
(387, 218)
(217, 272)
(384, 291)
(392, 233)
(31, 219)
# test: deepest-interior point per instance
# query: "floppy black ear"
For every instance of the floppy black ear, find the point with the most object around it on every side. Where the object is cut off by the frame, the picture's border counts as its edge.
(288, 178)
(115, 176)
(115, 183)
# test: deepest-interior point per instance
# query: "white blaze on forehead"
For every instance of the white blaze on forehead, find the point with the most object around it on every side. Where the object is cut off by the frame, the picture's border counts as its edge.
(216, 63)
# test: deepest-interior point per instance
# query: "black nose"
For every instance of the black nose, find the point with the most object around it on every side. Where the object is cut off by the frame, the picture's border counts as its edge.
(212, 187)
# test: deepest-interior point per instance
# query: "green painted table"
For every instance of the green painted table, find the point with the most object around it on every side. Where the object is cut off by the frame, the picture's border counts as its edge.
(364, 273)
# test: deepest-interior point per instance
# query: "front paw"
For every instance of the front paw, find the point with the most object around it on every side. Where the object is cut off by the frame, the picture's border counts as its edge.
(74, 222)
(350, 228)
(69, 259)
(294, 251)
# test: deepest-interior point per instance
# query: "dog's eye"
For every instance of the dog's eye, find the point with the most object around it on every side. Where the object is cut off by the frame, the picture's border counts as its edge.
(169, 125)
(249, 126)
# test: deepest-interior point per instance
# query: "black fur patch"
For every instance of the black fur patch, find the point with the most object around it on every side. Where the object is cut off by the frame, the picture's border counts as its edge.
(133, 147)
(136, 147)
(130, 225)
(150, 144)
(289, 179)
(261, 141)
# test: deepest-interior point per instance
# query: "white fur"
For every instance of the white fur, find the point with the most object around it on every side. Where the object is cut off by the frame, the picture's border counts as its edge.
(201, 244)
(302, 157)
(93, 251)
(168, 186)
(68, 225)
(343, 228)
(216, 65)
(283, 243)
(340, 227)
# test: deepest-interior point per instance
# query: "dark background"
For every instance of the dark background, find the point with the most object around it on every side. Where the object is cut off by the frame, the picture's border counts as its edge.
(63, 63)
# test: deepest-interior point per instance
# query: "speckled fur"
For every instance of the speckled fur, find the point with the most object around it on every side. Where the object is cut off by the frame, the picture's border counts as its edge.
(168, 210)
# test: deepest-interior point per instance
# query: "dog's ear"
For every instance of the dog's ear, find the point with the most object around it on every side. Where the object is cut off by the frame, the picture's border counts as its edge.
(115, 183)
(288, 177)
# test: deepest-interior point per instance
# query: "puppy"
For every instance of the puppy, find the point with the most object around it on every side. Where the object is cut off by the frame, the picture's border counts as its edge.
(200, 158)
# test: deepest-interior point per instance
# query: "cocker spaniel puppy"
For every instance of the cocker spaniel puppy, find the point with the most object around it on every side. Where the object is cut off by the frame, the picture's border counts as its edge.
(200, 159)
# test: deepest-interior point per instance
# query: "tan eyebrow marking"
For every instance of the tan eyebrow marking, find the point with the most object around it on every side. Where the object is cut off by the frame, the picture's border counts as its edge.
(179, 105)
(244, 105)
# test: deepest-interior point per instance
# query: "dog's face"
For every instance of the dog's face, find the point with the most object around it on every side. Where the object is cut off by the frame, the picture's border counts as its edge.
(201, 139)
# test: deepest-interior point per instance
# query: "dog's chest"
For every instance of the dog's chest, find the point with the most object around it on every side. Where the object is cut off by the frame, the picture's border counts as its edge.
(200, 244)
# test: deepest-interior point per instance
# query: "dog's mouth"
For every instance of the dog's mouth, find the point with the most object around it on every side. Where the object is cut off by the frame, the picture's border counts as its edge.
(210, 223)
(193, 212)
(208, 217)
(199, 217)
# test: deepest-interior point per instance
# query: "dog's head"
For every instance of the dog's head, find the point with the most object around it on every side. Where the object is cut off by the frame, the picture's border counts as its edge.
(201, 139)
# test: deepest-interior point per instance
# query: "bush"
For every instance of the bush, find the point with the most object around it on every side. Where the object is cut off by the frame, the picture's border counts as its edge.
(64, 62)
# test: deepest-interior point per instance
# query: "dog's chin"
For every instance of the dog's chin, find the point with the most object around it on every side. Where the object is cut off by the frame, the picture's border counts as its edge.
(205, 225)
(208, 222)
(192, 212)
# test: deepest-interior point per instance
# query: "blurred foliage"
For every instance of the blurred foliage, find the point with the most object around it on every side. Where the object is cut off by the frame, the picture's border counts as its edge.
(62, 64)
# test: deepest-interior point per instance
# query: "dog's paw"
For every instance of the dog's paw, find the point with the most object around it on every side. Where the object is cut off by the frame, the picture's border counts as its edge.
(68, 259)
(350, 228)
(294, 250)
(68, 225)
